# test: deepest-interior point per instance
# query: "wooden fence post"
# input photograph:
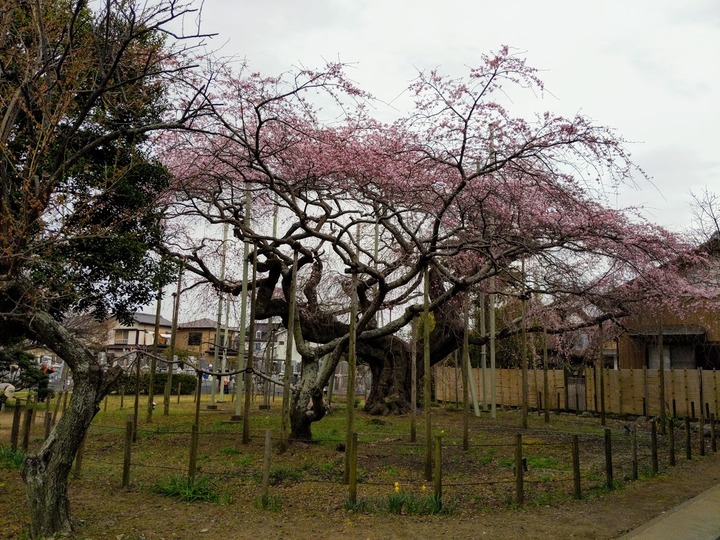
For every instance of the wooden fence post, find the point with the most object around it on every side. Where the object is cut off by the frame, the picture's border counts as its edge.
(688, 441)
(353, 469)
(608, 459)
(47, 425)
(79, 457)
(437, 470)
(128, 450)
(266, 466)
(56, 409)
(654, 446)
(193, 453)
(701, 417)
(26, 428)
(713, 434)
(634, 453)
(14, 433)
(576, 466)
(519, 491)
(671, 441)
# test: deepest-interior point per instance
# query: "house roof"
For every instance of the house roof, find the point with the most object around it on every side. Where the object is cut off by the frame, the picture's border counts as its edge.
(199, 323)
(146, 318)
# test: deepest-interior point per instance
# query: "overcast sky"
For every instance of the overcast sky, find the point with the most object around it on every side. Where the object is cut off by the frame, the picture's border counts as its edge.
(648, 68)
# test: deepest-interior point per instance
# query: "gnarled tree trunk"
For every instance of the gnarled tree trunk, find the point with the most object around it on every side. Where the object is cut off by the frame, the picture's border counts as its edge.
(307, 404)
(46, 473)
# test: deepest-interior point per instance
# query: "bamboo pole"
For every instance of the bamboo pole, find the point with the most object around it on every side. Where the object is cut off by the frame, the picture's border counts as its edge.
(546, 384)
(153, 362)
(525, 398)
(173, 343)
(493, 389)
(413, 381)
(661, 381)
(243, 311)
(466, 356)
(427, 375)
(251, 345)
(352, 363)
(289, 344)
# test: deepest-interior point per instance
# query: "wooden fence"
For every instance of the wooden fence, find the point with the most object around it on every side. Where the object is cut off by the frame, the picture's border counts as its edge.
(637, 391)
(624, 391)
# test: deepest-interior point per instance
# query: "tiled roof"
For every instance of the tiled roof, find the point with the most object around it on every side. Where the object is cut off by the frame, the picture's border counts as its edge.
(199, 323)
(146, 318)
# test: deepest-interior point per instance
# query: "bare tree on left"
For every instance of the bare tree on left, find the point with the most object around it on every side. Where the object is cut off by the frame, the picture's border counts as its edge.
(82, 88)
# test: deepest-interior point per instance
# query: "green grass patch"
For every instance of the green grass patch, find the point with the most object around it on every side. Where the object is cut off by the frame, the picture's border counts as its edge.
(403, 503)
(281, 475)
(229, 451)
(179, 487)
(11, 459)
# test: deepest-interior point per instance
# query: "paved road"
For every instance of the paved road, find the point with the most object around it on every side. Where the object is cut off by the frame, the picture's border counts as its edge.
(696, 519)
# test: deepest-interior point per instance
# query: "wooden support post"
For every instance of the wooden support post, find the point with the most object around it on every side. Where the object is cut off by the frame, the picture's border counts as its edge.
(122, 397)
(56, 409)
(701, 417)
(179, 389)
(671, 442)
(576, 467)
(26, 428)
(713, 433)
(47, 425)
(654, 446)
(128, 450)
(519, 488)
(437, 470)
(634, 453)
(427, 376)
(15, 431)
(688, 441)
(608, 459)
(266, 467)
(136, 404)
(413, 382)
(602, 394)
(79, 458)
(352, 483)
(192, 465)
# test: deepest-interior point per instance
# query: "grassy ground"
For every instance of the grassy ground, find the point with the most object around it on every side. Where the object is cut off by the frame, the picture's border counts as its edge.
(307, 495)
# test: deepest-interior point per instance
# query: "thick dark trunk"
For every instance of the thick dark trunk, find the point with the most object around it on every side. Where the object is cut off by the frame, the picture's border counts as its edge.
(391, 377)
(46, 473)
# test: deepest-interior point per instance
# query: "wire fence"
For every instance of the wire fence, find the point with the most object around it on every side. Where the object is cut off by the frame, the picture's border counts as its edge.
(496, 466)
